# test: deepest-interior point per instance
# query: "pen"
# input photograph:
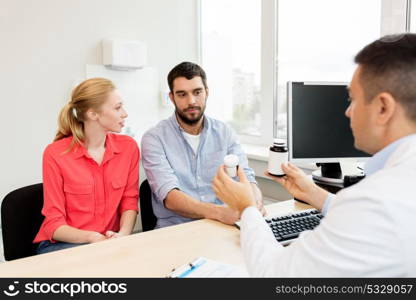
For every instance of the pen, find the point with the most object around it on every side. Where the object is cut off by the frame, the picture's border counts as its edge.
(184, 270)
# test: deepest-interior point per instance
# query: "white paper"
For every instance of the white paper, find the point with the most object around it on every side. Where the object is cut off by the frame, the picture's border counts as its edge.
(207, 268)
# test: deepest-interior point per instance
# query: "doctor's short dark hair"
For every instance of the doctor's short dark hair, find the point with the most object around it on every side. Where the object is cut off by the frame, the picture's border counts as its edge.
(389, 65)
(188, 70)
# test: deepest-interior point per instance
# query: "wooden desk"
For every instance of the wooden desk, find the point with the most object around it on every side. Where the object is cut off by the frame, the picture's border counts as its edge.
(148, 254)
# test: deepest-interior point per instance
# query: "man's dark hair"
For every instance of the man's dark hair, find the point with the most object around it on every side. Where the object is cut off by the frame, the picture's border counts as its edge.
(389, 65)
(188, 70)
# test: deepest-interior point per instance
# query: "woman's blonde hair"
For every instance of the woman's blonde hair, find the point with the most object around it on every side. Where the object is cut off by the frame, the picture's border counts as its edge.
(90, 94)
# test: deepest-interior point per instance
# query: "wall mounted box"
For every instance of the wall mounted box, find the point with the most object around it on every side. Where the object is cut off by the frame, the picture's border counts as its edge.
(124, 54)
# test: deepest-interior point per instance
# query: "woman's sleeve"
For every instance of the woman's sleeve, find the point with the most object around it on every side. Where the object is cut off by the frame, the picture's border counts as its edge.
(130, 197)
(53, 195)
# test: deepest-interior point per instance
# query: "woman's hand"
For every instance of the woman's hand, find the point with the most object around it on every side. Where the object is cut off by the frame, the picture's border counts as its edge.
(111, 234)
(95, 237)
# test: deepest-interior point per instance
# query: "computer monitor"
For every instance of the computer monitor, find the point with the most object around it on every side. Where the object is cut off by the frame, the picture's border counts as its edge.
(318, 130)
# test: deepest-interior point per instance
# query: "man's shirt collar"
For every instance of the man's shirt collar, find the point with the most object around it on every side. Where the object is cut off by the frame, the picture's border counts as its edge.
(378, 161)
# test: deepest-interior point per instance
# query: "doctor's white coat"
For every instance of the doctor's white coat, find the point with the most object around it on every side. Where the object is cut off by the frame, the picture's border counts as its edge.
(369, 230)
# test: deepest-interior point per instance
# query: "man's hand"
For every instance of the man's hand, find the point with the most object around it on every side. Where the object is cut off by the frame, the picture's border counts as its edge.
(226, 215)
(258, 198)
(300, 186)
(237, 195)
(260, 207)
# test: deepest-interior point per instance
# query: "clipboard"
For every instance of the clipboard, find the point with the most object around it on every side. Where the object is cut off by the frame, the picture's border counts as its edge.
(206, 268)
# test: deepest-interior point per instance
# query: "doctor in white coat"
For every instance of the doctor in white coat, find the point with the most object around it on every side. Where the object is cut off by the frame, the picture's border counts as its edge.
(370, 227)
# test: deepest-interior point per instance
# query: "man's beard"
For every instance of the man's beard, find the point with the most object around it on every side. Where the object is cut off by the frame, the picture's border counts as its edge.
(181, 115)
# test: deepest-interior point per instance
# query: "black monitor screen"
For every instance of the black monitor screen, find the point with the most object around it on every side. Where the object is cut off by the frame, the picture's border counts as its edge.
(319, 126)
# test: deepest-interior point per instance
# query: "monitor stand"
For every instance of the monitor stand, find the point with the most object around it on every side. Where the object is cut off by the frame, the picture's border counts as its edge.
(331, 173)
(332, 179)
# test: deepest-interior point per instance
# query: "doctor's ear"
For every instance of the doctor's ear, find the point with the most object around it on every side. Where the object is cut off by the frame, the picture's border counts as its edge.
(386, 107)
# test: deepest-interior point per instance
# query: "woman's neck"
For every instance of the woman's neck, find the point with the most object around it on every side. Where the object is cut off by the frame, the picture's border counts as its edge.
(94, 137)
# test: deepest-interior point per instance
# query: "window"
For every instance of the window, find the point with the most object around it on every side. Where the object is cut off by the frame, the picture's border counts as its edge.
(317, 41)
(231, 56)
(412, 14)
(308, 41)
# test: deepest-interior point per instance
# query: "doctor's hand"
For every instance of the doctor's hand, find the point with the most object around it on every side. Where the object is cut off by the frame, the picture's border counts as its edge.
(237, 195)
(300, 186)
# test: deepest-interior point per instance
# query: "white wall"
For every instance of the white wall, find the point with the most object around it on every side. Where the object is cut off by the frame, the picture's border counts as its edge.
(44, 48)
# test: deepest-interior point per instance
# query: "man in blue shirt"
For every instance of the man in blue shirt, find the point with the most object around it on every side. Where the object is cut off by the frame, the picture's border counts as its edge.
(182, 153)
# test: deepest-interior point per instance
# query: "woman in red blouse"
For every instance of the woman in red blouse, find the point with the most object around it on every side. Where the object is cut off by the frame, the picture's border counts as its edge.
(90, 175)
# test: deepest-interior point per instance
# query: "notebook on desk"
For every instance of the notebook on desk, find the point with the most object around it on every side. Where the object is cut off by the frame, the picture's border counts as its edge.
(207, 268)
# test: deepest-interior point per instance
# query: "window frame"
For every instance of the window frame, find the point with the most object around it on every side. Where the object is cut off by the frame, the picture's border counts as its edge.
(399, 14)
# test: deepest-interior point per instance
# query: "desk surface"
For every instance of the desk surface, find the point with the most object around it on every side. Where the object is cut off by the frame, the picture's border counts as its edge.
(148, 254)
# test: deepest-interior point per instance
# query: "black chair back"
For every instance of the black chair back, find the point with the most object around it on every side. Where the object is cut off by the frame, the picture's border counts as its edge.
(21, 219)
(149, 219)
